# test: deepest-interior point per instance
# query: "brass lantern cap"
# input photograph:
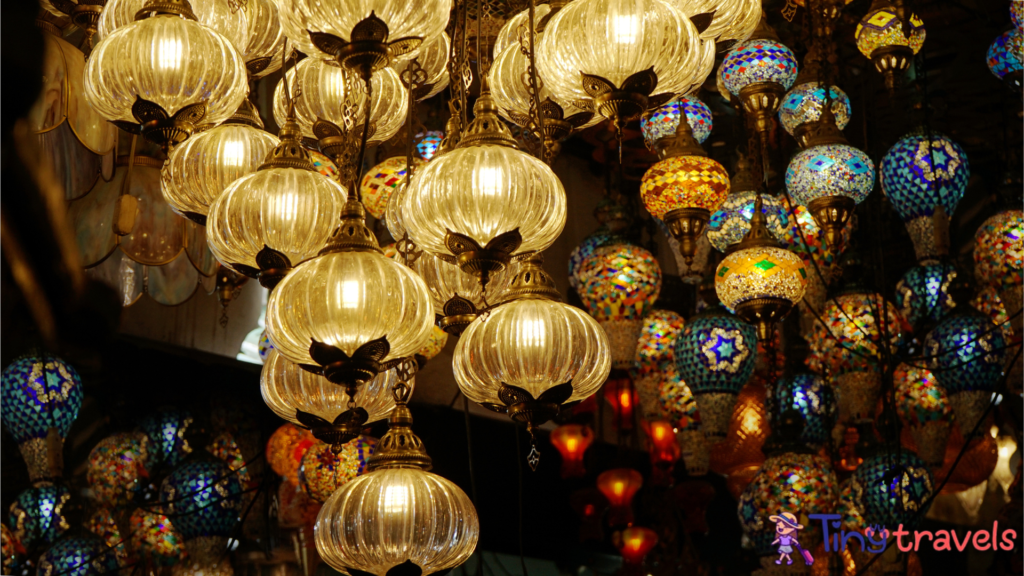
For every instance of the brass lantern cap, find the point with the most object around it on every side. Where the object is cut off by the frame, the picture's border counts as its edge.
(352, 235)
(824, 131)
(246, 115)
(181, 8)
(533, 281)
(400, 447)
(289, 153)
(487, 129)
(758, 236)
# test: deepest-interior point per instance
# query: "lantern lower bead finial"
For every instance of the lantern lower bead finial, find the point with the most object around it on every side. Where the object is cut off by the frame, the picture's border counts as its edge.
(832, 214)
(764, 314)
(892, 62)
(687, 225)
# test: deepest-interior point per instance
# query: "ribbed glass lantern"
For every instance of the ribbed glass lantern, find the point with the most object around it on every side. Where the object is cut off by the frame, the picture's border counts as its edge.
(198, 171)
(397, 513)
(221, 17)
(434, 60)
(458, 296)
(265, 38)
(733, 19)
(168, 73)
(532, 354)
(925, 178)
(890, 39)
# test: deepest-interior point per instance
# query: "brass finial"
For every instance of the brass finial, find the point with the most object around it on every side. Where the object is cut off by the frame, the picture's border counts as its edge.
(400, 447)
(181, 8)
(533, 281)
(246, 115)
(352, 235)
(486, 129)
(758, 236)
(289, 153)
(825, 130)
(681, 143)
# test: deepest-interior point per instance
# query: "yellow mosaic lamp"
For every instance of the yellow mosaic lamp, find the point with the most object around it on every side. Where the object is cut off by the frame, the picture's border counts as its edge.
(890, 38)
(759, 279)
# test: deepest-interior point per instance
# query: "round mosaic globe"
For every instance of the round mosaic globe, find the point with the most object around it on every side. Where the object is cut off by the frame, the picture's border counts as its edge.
(684, 182)
(801, 484)
(922, 294)
(830, 170)
(322, 471)
(154, 539)
(324, 165)
(716, 352)
(37, 514)
(655, 349)
(967, 353)
(428, 142)
(285, 449)
(804, 103)
(919, 398)
(677, 404)
(999, 254)
(882, 28)
(815, 400)
(102, 524)
(204, 497)
(39, 392)
(165, 430)
(758, 61)
(1017, 14)
(804, 237)
(620, 282)
(78, 556)
(919, 173)
(382, 181)
(761, 272)
(662, 123)
(852, 337)
(264, 346)
(731, 222)
(1005, 52)
(600, 237)
(116, 468)
(435, 344)
(891, 490)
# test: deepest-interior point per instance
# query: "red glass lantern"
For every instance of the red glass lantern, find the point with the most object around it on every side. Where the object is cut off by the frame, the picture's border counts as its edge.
(635, 543)
(664, 451)
(622, 397)
(740, 456)
(619, 485)
(572, 441)
(590, 504)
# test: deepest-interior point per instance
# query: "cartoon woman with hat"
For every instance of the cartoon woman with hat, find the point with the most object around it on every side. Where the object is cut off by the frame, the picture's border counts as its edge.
(786, 527)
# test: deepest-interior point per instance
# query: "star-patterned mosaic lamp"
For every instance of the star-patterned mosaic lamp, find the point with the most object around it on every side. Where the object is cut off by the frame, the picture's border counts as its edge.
(922, 294)
(663, 121)
(890, 38)
(809, 395)
(999, 259)
(759, 279)
(922, 404)
(79, 556)
(715, 357)
(890, 489)
(830, 177)
(41, 397)
(925, 178)
(205, 498)
(37, 516)
(731, 222)
(167, 446)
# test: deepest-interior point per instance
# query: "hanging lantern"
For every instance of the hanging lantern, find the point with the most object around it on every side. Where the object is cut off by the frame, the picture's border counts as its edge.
(585, 249)
(398, 495)
(801, 108)
(759, 72)
(619, 485)
(165, 430)
(322, 471)
(514, 361)
(619, 284)
(285, 449)
(154, 57)
(433, 59)
(1005, 58)
(664, 451)
(205, 498)
(365, 37)
(273, 219)
(925, 176)
(620, 395)
(382, 181)
(891, 489)
(922, 404)
(154, 539)
(78, 556)
(41, 396)
(999, 260)
(222, 18)
(677, 404)
(830, 177)
(37, 514)
(655, 357)
(197, 172)
(458, 296)
(634, 543)
(759, 279)
(740, 457)
(967, 354)
(808, 394)
(265, 39)
(427, 143)
(116, 469)
(731, 222)
(715, 356)
(572, 441)
(922, 294)
(663, 122)
(590, 505)
(484, 201)
(102, 524)
(362, 312)
(890, 38)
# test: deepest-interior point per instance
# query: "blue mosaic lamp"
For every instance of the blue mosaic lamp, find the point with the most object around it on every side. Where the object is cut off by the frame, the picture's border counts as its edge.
(1004, 57)
(922, 294)
(968, 354)
(830, 178)
(891, 490)
(79, 556)
(815, 400)
(40, 396)
(731, 222)
(203, 498)
(663, 121)
(428, 142)
(802, 106)
(715, 356)
(36, 516)
(925, 178)
(166, 432)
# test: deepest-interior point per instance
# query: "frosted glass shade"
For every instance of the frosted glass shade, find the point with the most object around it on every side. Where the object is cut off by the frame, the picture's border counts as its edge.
(389, 516)
(534, 344)
(167, 60)
(346, 299)
(218, 15)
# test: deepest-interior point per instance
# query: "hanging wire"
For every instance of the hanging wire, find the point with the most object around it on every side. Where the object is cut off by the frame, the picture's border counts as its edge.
(519, 463)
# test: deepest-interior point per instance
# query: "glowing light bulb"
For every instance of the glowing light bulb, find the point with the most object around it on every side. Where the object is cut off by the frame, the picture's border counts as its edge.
(489, 180)
(168, 53)
(396, 499)
(234, 153)
(350, 290)
(625, 28)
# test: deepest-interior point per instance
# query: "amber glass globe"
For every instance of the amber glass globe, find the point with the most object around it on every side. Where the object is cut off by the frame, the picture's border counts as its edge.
(170, 61)
(198, 171)
(323, 87)
(286, 387)
(219, 16)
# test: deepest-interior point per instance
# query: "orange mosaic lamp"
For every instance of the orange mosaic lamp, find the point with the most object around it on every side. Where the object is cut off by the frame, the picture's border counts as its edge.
(285, 449)
(619, 485)
(572, 441)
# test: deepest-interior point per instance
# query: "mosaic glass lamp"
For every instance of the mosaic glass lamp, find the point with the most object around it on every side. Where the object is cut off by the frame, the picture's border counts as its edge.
(731, 222)
(801, 107)
(663, 121)
(922, 294)
(116, 469)
(41, 398)
(323, 471)
(37, 516)
(382, 181)
(619, 285)
(205, 498)
(78, 556)
(891, 489)
(889, 38)
(154, 539)
(428, 142)
(167, 446)
(999, 259)
(922, 404)
(830, 177)
(815, 400)
(285, 449)
(677, 405)
(715, 357)
(925, 178)
(600, 237)
(1005, 56)
(759, 279)
(655, 358)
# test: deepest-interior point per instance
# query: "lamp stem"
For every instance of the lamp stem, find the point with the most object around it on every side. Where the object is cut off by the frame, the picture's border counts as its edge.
(362, 141)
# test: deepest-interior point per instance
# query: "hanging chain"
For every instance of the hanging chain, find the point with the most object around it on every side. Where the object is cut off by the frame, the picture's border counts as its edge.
(458, 68)
(413, 78)
(534, 133)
